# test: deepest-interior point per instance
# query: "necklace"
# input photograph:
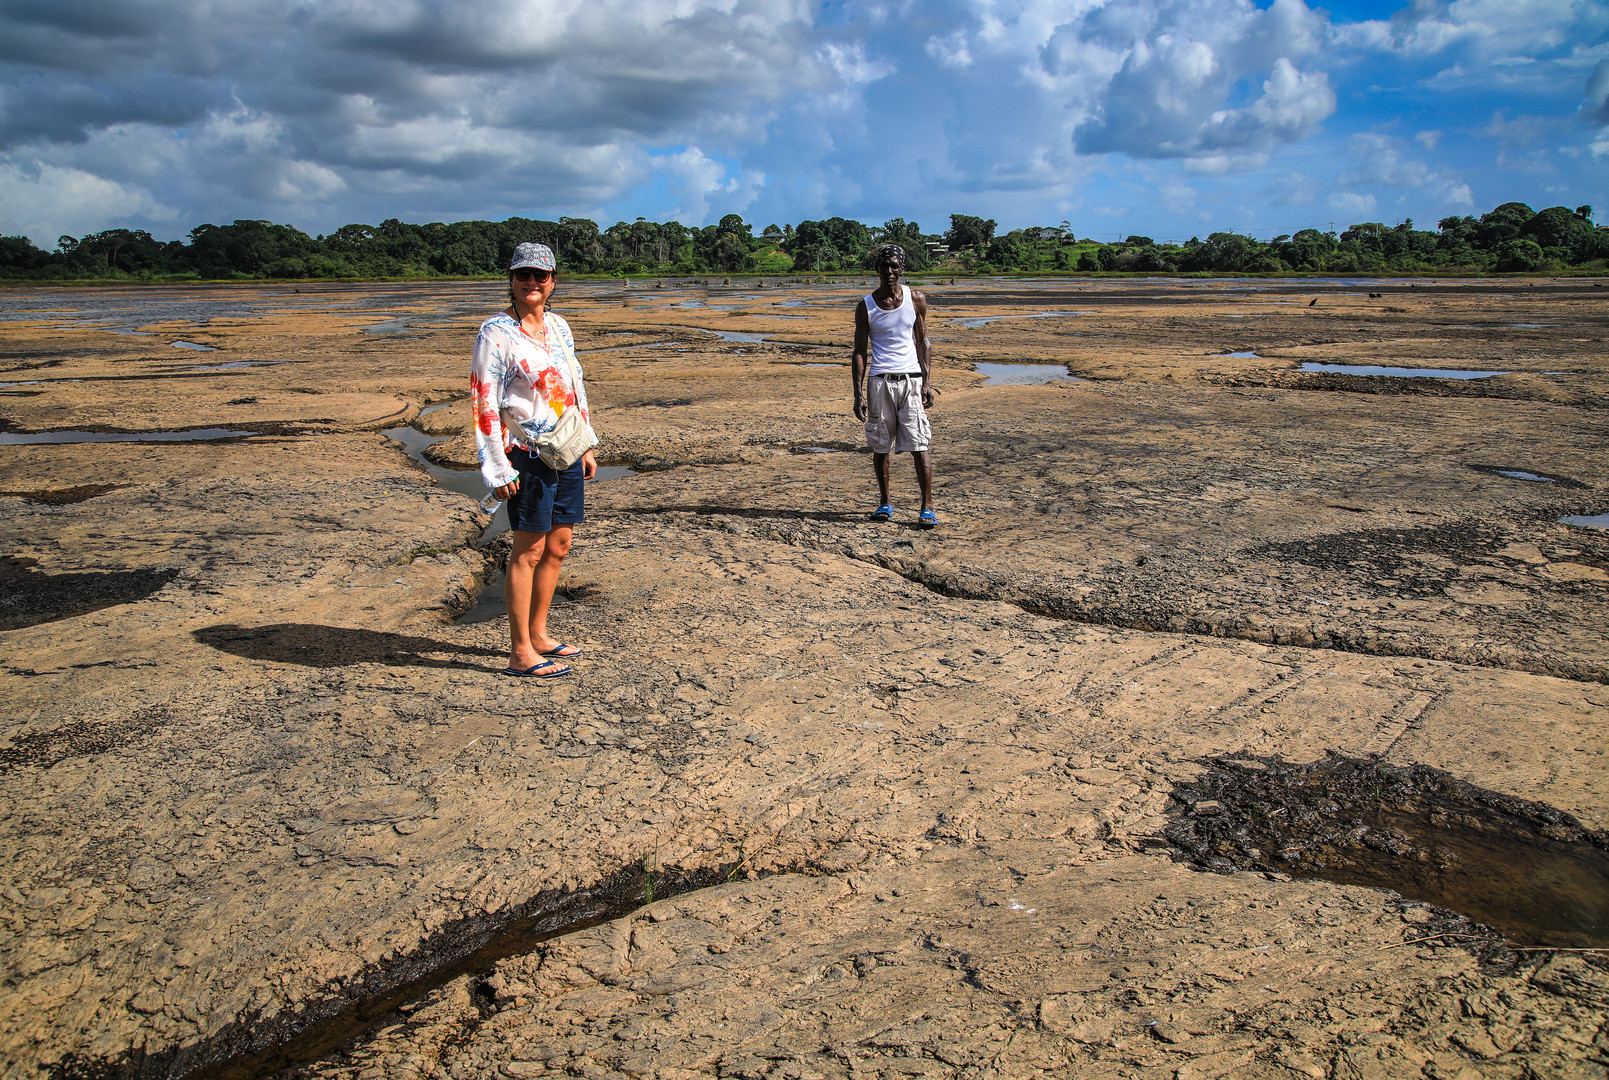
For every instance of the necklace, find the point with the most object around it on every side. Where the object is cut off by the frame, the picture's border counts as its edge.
(543, 338)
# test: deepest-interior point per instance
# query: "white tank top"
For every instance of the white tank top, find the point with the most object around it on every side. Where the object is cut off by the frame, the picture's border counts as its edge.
(893, 337)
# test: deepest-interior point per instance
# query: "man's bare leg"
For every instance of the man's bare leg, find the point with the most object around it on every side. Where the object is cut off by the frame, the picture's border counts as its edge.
(924, 477)
(880, 467)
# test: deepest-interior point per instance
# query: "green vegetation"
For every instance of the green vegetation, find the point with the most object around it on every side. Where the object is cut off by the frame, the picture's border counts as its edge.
(1511, 238)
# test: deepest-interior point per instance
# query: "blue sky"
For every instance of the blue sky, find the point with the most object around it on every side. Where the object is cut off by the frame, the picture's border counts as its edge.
(1169, 118)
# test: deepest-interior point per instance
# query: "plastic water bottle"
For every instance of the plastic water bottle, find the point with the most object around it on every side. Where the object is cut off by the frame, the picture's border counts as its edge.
(490, 503)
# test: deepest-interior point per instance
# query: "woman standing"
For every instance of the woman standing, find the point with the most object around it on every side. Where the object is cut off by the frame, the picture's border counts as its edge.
(524, 375)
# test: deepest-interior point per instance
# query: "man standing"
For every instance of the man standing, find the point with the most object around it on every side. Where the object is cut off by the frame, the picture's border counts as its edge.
(891, 326)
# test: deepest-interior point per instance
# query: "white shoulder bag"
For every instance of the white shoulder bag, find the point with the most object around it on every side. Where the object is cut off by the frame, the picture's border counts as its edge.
(572, 436)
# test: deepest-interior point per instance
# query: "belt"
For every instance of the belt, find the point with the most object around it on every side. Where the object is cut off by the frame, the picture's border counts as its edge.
(900, 375)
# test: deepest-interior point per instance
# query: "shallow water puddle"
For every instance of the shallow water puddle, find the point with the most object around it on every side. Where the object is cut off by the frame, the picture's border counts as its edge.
(392, 327)
(235, 365)
(1588, 521)
(1241, 355)
(1399, 372)
(973, 324)
(193, 345)
(1520, 474)
(56, 437)
(1023, 374)
(415, 442)
(489, 604)
(734, 335)
(1528, 871)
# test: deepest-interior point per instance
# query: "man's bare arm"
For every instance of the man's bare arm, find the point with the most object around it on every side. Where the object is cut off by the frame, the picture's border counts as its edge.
(857, 360)
(919, 333)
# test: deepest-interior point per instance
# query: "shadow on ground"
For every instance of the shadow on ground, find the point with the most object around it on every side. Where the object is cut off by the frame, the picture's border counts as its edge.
(29, 597)
(313, 645)
(705, 510)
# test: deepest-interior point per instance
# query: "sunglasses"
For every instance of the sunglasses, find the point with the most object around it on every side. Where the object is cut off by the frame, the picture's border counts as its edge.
(528, 274)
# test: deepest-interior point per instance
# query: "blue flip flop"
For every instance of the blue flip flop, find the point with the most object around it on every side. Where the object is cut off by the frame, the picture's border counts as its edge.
(562, 650)
(538, 671)
(883, 513)
(927, 519)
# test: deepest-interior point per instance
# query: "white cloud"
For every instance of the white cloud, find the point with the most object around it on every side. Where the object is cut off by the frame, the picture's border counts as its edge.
(950, 50)
(1295, 189)
(1521, 131)
(698, 183)
(304, 182)
(1428, 139)
(1224, 164)
(1352, 203)
(1490, 27)
(1381, 162)
(1293, 102)
(43, 202)
(470, 106)
(1176, 197)
(1595, 105)
(1173, 95)
(850, 62)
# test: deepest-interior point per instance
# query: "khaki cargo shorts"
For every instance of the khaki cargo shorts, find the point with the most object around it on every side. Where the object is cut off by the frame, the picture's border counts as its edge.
(895, 419)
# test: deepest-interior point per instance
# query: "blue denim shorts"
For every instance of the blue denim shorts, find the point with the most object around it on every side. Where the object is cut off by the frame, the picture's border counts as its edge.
(545, 498)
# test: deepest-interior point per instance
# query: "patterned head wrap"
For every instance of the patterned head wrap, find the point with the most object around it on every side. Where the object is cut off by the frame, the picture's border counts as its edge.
(891, 251)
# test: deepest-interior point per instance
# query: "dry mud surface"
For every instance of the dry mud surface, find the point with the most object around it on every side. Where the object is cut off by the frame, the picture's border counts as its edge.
(253, 769)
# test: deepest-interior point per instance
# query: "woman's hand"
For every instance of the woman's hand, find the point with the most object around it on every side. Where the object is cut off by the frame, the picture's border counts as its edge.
(589, 466)
(508, 490)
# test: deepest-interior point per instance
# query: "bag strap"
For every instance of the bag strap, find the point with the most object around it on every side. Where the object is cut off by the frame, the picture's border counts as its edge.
(569, 361)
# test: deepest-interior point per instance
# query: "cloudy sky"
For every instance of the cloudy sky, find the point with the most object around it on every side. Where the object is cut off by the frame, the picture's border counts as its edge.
(1163, 117)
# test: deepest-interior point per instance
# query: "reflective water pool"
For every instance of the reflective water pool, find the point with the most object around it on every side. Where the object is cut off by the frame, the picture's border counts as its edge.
(1023, 374)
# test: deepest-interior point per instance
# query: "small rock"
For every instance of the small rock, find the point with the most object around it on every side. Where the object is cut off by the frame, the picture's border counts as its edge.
(1168, 1033)
(148, 1001)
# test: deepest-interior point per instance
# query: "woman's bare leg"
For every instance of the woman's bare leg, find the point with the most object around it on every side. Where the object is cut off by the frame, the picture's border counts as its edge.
(546, 580)
(519, 590)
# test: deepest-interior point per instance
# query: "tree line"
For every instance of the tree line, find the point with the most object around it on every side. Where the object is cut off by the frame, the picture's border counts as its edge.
(1510, 238)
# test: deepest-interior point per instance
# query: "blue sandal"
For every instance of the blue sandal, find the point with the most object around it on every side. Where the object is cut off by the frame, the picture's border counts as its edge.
(927, 519)
(547, 669)
(883, 513)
